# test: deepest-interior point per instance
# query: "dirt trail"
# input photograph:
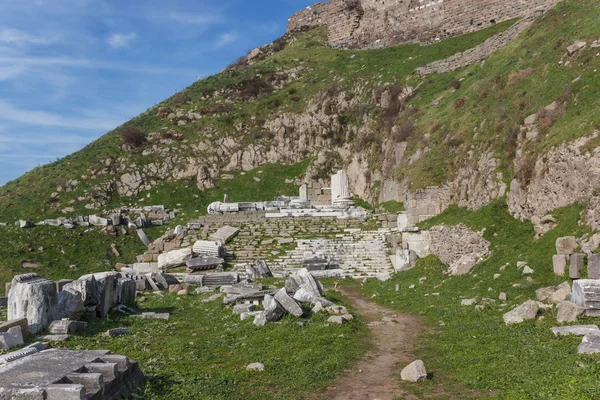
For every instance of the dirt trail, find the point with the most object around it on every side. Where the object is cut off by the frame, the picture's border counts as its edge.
(376, 375)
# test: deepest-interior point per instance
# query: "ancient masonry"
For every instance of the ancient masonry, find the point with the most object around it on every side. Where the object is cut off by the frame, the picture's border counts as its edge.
(380, 23)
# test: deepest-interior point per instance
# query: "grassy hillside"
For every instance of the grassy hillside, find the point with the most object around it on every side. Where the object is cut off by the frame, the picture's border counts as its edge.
(474, 349)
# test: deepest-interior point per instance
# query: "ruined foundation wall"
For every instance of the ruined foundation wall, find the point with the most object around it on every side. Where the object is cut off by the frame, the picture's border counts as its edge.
(380, 23)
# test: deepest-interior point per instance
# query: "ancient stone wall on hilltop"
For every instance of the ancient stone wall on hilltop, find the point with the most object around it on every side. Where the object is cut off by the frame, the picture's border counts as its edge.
(380, 23)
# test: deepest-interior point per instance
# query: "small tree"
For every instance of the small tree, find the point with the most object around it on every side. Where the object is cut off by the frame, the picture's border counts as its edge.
(133, 137)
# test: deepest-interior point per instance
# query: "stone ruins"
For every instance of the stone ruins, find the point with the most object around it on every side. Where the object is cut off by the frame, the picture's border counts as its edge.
(371, 23)
(310, 202)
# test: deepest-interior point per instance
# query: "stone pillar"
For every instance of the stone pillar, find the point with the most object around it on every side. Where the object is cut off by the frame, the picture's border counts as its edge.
(559, 263)
(576, 265)
(594, 266)
(340, 190)
(303, 192)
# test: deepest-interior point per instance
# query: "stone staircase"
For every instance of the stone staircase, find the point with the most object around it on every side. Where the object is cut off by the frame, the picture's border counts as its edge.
(358, 253)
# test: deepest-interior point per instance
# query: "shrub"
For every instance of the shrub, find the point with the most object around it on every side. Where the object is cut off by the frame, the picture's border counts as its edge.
(133, 136)
(295, 98)
(459, 103)
(279, 44)
(403, 132)
(455, 84)
(254, 87)
(240, 63)
(179, 99)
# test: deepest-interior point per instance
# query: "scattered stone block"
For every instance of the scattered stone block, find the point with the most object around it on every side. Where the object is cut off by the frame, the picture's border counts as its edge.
(243, 308)
(116, 332)
(559, 264)
(468, 302)
(575, 47)
(568, 312)
(255, 367)
(593, 266)
(554, 294)
(153, 315)
(224, 234)
(273, 311)
(143, 237)
(55, 338)
(579, 330)
(21, 322)
(252, 314)
(260, 269)
(12, 338)
(336, 319)
(67, 327)
(34, 298)
(526, 311)
(174, 259)
(414, 372)
(577, 262)
(290, 305)
(566, 245)
(503, 297)
(70, 305)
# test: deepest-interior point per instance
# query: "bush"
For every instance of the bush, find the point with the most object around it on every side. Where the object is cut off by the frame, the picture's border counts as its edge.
(455, 84)
(133, 136)
(240, 63)
(403, 132)
(179, 99)
(254, 87)
(459, 103)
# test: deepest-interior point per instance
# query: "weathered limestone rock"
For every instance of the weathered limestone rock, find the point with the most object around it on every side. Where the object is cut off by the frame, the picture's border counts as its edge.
(414, 372)
(106, 286)
(174, 259)
(126, 291)
(577, 262)
(273, 311)
(559, 264)
(579, 330)
(336, 319)
(255, 367)
(568, 312)
(554, 294)
(88, 287)
(97, 221)
(526, 311)
(575, 47)
(302, 278)
(566, 245)
(243, 308)
(12, 338)
(153, 315)
(116, 332)
(290, 305)
(34, 298)
(70, 305)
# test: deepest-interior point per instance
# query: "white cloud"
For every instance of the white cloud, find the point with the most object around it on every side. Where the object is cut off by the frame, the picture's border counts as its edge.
(225, 39)
(15, 36)
(9, 112)
(120, 40)
(186, 18)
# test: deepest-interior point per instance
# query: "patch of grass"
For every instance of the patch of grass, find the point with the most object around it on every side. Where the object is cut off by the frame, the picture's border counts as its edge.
(202, 351)
(393, 206)
(474, 349)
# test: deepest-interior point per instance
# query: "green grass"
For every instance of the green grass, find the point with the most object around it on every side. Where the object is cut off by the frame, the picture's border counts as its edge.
(474, 349)
(202, 351)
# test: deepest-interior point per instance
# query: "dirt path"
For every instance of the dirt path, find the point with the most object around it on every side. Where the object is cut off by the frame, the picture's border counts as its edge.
(376, 375)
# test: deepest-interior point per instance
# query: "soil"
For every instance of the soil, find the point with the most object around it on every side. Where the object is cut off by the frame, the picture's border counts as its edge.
(377, 375)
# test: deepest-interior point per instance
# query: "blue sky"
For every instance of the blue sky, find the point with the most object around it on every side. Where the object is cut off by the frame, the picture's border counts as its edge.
(71, 70)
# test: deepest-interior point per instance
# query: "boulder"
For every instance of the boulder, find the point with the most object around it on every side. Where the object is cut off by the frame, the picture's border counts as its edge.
(414, 372)
(566, 245)
(568, 312)
(526, 311)
(174, 259)
(67, 327)
(290, 305)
